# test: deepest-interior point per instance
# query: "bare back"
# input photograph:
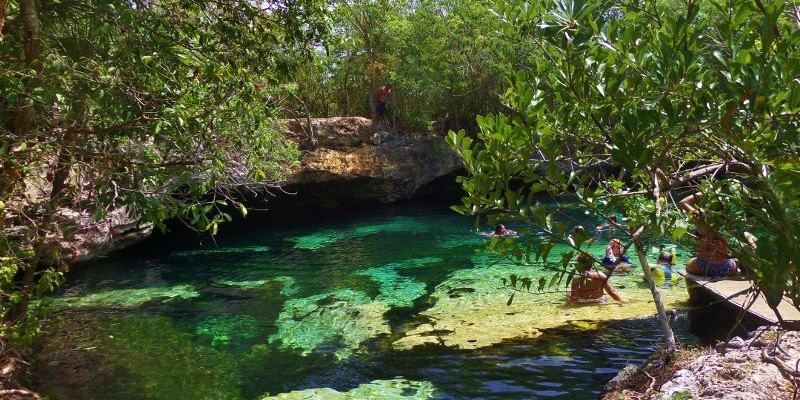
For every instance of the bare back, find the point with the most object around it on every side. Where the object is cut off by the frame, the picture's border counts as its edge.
(710, 245)
(382, 94)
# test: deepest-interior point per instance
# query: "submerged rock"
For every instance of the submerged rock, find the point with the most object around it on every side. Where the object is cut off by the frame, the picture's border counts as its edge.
(127, 298)
(339, 321)
(472, 308)
(323, 238)
(397, 290)
(381, 389)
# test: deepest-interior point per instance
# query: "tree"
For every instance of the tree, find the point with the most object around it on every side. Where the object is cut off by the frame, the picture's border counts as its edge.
(631, 103)
(161, 109)
(445, 59)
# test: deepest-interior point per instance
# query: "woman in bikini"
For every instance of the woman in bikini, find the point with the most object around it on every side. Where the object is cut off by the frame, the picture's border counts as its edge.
(713, 253)
(591, 284)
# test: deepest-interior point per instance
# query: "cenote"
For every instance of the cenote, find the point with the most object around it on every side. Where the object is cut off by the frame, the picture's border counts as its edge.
(394, 302)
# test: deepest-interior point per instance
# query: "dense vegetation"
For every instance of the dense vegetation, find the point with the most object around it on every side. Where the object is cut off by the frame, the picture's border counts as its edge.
(164, 109)
(153, 109)
(632, 102)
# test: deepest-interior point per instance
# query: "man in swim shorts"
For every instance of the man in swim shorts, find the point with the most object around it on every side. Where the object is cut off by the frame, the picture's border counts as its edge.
(379, 103)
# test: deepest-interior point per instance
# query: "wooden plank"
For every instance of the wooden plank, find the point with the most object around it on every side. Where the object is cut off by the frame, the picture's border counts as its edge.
(739, 292)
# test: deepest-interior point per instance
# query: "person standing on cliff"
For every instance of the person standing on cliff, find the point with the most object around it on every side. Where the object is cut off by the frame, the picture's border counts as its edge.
(379, 103)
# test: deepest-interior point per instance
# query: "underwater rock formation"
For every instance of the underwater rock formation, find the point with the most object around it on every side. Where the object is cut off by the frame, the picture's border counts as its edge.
(320, 239)
(472, 308)
(288, 283)
(339, 321)
(127, 298)
(380, 389)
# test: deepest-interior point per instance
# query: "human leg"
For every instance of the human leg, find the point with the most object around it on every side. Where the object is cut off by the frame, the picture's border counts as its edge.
(693, 268)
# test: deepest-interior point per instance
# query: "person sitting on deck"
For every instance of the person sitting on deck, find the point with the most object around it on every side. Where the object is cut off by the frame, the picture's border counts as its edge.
(615, 260)
(589, 286)
(713, 253)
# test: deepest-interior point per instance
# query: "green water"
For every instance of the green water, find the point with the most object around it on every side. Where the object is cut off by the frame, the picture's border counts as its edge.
(392, 303)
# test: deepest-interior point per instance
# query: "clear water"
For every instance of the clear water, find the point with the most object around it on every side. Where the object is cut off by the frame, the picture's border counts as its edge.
(332, 304)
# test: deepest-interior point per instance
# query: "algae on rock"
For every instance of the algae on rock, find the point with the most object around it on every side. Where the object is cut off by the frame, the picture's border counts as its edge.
(380, 389)
(127, 298)
(340, 320)
(472, 310)
(221, 329)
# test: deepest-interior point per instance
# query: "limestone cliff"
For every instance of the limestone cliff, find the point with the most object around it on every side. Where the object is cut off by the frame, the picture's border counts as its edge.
(349, 162)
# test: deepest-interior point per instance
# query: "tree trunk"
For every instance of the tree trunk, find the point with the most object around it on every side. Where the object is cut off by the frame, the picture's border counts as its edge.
(3, 8)
(345, 84)
(669, 336)
(32, 49)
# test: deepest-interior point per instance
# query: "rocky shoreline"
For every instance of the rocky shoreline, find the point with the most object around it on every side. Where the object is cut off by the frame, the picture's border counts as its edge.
(759, 367)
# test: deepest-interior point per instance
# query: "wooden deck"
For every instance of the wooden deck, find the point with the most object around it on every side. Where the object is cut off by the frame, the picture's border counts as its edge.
(739, 293)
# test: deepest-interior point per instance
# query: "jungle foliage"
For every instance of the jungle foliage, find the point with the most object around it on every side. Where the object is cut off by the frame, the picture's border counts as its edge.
(151, 109)
(629, 105)
(447, 61)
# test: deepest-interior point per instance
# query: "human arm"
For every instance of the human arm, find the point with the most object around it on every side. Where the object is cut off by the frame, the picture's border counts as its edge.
(751, 240)
(686, 203)
(597, 275)
(612, 292)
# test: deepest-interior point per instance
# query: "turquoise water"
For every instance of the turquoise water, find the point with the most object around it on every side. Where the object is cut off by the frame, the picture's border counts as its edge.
(330, 306)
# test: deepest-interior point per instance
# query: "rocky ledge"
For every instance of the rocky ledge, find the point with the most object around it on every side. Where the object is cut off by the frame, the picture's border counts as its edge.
(345, 160)
(762, 367)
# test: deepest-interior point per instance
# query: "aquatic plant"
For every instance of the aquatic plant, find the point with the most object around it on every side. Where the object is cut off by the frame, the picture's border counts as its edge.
(339, 320)
(221, 329)
(397, 388)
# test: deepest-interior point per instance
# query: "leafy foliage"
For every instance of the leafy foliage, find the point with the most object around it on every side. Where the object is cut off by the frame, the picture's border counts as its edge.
(446, 60)
(162, 109)
(629, 103)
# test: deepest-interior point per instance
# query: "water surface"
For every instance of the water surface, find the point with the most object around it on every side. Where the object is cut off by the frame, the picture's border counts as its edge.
(332, 304)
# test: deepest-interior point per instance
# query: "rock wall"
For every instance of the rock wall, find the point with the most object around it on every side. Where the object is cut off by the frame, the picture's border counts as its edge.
(348, 162)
